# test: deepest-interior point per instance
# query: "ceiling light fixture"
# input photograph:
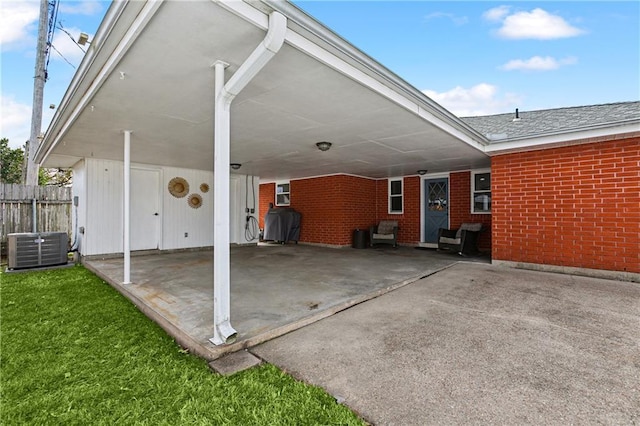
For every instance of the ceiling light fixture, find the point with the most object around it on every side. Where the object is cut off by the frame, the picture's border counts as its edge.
(422, 172)
(323, 146)
(235, 166)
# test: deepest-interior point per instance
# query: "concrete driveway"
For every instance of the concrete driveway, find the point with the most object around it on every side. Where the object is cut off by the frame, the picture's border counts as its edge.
(479, 344)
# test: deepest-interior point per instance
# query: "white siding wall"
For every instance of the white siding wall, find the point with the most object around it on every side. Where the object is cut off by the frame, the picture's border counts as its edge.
(98, 183)
(103, 232)
(243, 189)
(79, 214)
(180, 219)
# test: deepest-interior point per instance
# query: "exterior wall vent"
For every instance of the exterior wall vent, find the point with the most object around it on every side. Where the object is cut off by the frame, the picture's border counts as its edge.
(33, 250)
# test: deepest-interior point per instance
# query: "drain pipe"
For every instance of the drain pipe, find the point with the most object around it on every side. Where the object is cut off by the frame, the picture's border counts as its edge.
(224, 94)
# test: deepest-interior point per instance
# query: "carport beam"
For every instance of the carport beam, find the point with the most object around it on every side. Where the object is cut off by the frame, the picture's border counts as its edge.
(224, 94)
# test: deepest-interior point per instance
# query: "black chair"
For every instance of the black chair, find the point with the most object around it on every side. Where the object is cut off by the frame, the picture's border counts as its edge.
(463, 241)
(386, 232)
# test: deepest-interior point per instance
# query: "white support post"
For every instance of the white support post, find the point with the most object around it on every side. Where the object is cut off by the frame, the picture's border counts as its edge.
(223, 331)
(224, 95)
(126, 211)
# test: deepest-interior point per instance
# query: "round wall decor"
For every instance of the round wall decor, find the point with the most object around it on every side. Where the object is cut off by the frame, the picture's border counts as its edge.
(194, 201)
(204, 187)
(178, 187)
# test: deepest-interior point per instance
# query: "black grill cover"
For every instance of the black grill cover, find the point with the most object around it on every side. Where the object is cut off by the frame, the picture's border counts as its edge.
(282, 224)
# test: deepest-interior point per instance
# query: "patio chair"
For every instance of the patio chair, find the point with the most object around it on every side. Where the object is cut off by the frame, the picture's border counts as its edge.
(386, 232)
(463, 241)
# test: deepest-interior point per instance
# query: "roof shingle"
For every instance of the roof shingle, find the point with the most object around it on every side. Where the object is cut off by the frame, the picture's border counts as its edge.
(533, 123)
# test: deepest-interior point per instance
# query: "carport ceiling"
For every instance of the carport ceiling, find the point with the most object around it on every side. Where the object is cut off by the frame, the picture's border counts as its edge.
(163, 89)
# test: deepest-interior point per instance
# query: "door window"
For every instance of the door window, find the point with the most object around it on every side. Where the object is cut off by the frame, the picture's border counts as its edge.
(437, 196)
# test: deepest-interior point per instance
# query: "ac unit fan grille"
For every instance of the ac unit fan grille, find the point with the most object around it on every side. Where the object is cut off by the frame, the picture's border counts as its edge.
(32, 250)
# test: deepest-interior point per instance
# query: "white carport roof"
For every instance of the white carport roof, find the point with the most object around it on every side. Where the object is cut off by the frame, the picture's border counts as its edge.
(148, 70)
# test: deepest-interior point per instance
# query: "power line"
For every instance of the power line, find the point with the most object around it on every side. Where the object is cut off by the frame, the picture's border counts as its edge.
(62, 56)
(52, 12)
(61, 28)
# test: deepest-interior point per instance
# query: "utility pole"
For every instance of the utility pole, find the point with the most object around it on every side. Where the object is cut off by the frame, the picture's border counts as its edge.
(38, 94)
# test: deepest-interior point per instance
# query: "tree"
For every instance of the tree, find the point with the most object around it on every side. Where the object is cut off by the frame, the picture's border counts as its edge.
(57, 177)
(11, 162)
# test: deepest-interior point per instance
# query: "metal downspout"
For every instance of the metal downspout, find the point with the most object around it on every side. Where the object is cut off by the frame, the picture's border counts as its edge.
(224, 95)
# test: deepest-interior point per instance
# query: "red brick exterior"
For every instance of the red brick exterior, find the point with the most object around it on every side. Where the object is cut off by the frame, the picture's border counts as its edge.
(331, 207)
(409, 220)
(576, 206)
(460, 207)
(267, 194)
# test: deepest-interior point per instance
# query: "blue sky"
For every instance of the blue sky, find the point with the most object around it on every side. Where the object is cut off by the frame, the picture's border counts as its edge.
(472, 57)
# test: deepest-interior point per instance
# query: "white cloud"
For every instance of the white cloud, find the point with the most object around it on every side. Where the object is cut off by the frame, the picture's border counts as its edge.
(65, 46)
(538, 63)
(17, 22)
(481, 99)
(86, 7)
(15, 124)
(457, 20)
(537, 24)
(497, 13)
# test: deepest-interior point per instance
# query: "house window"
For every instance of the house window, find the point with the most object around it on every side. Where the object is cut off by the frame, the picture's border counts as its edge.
(282, 194)
(481, 192)
(395, 196)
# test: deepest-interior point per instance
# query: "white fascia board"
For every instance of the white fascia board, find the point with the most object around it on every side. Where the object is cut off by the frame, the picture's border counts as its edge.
(59, 160)
(362, 78)
(107, 25)
(90, 57)
(62, 125)
(594, 134)
(403, 95)
(246, 12)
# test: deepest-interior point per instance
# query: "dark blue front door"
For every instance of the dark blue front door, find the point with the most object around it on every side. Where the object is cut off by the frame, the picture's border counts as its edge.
(436, 209)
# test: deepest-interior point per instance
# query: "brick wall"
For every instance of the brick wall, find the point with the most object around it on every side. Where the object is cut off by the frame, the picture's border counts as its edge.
(460, 207)
(267, 194)
(409, 221)
(575, 206)
(331, 207)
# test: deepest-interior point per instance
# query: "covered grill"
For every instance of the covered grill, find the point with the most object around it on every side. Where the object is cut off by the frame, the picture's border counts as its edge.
(282, 224)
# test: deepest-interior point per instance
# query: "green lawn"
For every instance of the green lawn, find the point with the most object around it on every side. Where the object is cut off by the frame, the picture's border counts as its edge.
(74, 351)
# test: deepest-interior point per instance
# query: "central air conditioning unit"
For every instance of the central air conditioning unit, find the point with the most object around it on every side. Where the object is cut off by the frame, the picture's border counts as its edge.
(33, 250)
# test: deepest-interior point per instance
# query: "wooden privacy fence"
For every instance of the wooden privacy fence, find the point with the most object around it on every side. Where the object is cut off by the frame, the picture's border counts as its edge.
(53, 206)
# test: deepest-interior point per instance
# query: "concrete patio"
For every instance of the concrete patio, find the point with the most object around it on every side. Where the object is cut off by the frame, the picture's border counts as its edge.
(274, 288)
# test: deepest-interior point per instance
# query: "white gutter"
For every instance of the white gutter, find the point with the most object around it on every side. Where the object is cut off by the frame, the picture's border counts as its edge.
(426, 107)
(319, 42)
(224, 95)
(564, 137)
(60, 125)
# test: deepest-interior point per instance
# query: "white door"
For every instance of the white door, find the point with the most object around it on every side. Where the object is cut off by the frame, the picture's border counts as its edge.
(145, 209)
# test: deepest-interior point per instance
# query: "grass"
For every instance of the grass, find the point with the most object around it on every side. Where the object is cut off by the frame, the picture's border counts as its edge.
(74, 351)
